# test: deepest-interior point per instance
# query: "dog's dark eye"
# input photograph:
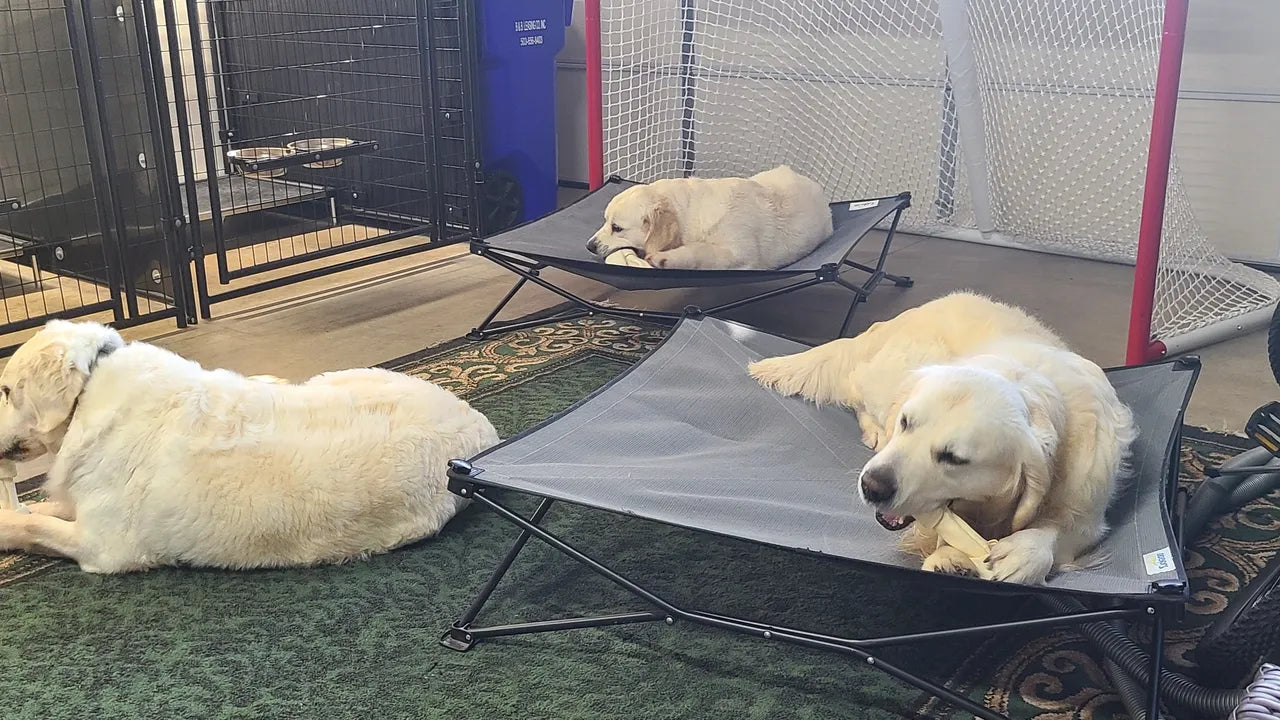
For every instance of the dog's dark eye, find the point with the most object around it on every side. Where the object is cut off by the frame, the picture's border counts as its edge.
(614, 228)
(946, 457)
(904, 422)
(4, 393)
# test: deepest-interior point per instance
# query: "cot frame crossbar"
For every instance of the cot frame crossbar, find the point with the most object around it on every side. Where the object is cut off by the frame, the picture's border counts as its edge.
(1163, 604)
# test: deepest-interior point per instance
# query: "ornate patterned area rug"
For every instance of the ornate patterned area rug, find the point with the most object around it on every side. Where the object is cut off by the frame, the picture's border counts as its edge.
(360, 640)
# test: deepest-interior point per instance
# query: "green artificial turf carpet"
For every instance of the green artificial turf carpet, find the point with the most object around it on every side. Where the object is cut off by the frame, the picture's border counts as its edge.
(362, 640)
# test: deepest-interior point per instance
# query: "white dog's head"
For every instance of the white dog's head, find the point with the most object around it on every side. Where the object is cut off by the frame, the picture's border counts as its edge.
(639, 218)
(43, 380)
(966, 433)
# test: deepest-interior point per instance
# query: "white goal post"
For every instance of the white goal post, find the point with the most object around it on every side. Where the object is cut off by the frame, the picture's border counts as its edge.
(1040, 124)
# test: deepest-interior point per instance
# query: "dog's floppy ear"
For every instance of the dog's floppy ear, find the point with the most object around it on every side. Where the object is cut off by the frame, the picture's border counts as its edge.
(662, 228)
(56, 377)
(1046, 417)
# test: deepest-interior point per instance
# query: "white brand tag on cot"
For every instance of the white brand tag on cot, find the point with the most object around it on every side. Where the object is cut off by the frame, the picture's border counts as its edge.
(1160, 561)
(863, 204)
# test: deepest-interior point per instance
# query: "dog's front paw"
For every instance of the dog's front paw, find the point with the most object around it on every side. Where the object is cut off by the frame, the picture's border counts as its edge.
(1025, 557)
(950, 561)
(12, 529)
(872, 438)
(659, 259)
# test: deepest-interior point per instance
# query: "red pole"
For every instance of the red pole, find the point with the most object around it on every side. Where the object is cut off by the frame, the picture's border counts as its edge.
(1141, 348)
(595, 98)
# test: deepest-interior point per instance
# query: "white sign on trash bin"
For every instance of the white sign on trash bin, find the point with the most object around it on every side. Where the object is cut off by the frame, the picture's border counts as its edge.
(524, 26)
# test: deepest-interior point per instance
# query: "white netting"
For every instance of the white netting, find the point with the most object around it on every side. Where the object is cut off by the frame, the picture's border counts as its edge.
(857, 95)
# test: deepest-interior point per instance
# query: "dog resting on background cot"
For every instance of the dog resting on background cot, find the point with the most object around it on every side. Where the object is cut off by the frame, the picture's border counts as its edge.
(974, 406)
(763, 222)
(159, 461)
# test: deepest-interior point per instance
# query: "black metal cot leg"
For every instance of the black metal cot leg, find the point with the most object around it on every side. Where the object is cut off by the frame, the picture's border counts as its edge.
(458, 637)
(477, 333)
(763, 296)
(483, 334)
(1157, 666)
(466, 637)
(875, 274)
(488, 327)
(878, 271)
(528, 272)
(848, 317)
(901, 281)
(471, 635)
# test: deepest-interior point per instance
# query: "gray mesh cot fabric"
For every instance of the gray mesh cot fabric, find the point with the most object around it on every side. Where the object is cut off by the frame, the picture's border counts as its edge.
(687, 438)
(559, 240)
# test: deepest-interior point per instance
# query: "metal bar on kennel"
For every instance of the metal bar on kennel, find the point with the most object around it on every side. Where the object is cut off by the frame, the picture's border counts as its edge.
(166, 177)
(89, 90)
(192, 230)
(200, 72)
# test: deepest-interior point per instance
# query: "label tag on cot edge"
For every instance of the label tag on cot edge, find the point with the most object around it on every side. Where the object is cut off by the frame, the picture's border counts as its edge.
(1160, 561)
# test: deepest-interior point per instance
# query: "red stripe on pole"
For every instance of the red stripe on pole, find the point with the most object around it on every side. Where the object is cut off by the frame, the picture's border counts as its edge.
(1142, 306)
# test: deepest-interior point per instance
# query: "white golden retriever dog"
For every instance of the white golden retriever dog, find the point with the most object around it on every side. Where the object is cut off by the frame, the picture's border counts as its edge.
(763, 222)
(973, 404)
(161, 462)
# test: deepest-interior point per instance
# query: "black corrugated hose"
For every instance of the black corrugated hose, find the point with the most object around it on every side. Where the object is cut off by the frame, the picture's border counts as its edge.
(1134, 661)
(1131, 693)
(1220, 494)
(1256, 486)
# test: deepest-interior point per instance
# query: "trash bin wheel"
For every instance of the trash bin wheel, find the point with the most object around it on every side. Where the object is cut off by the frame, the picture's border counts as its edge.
(502, 202)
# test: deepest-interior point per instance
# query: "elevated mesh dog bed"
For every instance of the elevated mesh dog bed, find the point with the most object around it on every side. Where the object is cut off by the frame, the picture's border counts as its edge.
(687, 438)
(559, 241)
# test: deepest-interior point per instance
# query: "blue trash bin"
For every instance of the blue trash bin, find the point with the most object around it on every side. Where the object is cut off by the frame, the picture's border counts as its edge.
(519, 40)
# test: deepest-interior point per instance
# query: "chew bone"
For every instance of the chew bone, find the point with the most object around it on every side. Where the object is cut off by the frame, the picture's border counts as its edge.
(954, 531)
(627, 257)
(9, 487)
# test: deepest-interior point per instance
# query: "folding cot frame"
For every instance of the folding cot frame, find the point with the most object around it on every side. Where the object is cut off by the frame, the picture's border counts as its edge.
(1164, 601)
(528, 265)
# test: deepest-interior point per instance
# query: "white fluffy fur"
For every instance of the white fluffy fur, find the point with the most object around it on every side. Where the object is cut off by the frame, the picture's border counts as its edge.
(1041, 432)
(763, 222)
(161, 462)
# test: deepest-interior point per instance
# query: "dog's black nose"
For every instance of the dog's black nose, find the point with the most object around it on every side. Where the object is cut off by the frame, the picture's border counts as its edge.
(878, 485)
(592, 244)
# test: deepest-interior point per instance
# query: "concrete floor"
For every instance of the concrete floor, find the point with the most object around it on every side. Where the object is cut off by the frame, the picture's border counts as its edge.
(370, 315)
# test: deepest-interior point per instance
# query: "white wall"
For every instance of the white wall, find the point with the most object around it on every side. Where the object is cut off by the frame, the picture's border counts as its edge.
(571, 101)
(1228, 133)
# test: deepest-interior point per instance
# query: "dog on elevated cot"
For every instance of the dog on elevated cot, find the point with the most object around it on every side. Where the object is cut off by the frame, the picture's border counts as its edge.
(975, 406)
(763, 222)
(158, 461)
